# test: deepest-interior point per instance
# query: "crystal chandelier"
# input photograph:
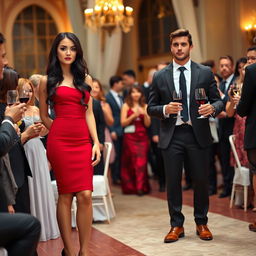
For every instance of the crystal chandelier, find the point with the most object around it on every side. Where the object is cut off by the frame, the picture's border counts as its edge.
(108, 14)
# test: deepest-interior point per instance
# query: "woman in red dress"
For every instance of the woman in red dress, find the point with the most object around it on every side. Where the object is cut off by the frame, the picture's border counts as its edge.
(69, 149)
(135, 120)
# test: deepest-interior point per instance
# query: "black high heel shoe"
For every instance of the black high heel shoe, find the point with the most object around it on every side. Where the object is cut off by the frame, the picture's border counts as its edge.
(63, 252)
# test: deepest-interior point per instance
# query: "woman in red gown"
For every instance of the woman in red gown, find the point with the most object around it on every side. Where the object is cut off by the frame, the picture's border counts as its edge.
(135, 120)
(69, 148)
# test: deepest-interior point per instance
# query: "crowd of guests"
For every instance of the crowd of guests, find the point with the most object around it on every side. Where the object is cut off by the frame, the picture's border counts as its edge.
(122, 119)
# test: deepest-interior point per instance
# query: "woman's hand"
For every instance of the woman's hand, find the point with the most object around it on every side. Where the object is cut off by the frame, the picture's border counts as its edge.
(31, 132)
(234, 99)
(96, 154)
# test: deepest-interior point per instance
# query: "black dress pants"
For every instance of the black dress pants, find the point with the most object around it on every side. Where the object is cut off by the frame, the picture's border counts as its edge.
(19, 233)
(184, 147)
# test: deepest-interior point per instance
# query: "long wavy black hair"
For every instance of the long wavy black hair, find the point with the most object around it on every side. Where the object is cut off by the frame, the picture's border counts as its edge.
(54, 72)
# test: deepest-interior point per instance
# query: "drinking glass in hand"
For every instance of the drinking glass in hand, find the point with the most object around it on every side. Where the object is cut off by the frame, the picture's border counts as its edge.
(201, 98)
(235, 91)
(23, 95)
(177, 97)
(12, 97)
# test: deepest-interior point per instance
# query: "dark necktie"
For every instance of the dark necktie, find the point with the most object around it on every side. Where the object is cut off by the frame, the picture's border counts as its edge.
(183, 88)
(223, 86)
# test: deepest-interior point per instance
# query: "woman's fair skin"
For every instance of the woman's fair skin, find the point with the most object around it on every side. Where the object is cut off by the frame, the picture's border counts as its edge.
(136, 108)
(108, 116)
(35, 129)
(66, 53)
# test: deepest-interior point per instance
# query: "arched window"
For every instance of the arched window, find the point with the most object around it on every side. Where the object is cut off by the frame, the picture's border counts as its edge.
(156, 21)
(33, 32)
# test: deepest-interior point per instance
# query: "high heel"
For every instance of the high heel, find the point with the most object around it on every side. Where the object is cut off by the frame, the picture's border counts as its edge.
(63, 252)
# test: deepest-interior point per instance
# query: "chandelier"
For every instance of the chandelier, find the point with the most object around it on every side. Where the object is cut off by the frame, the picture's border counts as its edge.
(108, 14)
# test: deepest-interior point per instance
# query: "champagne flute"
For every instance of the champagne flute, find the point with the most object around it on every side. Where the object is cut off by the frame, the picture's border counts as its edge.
(201, 99)
(235, 91)
(177, 97)
(12, 97)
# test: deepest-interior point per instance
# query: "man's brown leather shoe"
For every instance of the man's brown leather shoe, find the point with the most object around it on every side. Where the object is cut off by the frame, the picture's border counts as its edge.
(174, 234)
(203, 232)
(252, 227)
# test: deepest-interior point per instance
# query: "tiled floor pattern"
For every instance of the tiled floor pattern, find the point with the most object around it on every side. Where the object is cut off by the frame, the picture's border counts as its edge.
(142, 223)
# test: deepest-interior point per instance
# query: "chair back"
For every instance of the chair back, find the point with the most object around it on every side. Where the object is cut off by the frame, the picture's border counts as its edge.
(231, 141)
(108, 148)
(242, 174)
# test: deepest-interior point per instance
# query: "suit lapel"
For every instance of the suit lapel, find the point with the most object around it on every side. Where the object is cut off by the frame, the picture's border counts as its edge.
(194, 79)
(169, 78)
(114, 100)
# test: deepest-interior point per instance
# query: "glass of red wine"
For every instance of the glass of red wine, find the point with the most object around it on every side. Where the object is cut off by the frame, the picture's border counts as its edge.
(201, 99)
(177, 97)
(11, 97)
(23, 95)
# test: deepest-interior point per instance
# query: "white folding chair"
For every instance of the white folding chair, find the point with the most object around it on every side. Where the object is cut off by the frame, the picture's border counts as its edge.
(101, 191)
(241, 176)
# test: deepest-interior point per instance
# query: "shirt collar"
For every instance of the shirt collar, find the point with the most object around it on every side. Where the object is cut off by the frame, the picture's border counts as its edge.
(187, 65)
(114, 93)
(228, 80)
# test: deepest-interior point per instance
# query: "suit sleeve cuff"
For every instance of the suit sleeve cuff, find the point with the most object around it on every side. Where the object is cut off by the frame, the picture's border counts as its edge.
(165, 115)
(8, 121)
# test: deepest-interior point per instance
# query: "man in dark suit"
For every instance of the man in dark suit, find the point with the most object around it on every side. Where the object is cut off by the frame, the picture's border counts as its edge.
(115, 101)
(184, 138)
(19, 233)
(247, 107)
(226, 124)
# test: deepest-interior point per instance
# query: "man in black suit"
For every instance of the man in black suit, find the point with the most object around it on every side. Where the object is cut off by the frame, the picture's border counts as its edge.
(247, 107)
(19, 233)
(226, 124)
(184, 138)
(115, 101)
(129, 79)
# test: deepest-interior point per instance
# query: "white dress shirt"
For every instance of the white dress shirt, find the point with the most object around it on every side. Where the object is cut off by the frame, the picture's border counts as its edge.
(176, 77)
(117, 98)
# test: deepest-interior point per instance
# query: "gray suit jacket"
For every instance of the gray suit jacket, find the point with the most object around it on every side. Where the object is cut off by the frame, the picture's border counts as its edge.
(161, 94)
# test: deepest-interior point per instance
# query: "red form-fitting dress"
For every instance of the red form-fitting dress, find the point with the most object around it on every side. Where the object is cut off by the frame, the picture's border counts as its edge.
(69, 147)
(134, 173)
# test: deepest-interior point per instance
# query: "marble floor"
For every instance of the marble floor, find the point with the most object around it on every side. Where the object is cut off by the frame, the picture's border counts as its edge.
(142, 223)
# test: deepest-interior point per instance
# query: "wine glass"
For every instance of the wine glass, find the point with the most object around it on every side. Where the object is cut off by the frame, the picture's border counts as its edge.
(12, 97)
(201, 99)
(177, 97)
(23, 95)
(235, 91)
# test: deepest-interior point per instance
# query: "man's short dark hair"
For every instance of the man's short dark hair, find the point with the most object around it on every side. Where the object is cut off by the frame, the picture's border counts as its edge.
(2, 39)
(130, 72)
(227, 57)
(114, 79)
(252, 48)
(179, 33)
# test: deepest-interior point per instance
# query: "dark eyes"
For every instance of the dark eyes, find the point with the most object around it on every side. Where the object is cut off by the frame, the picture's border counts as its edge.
(182, 44)
(64, 48)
